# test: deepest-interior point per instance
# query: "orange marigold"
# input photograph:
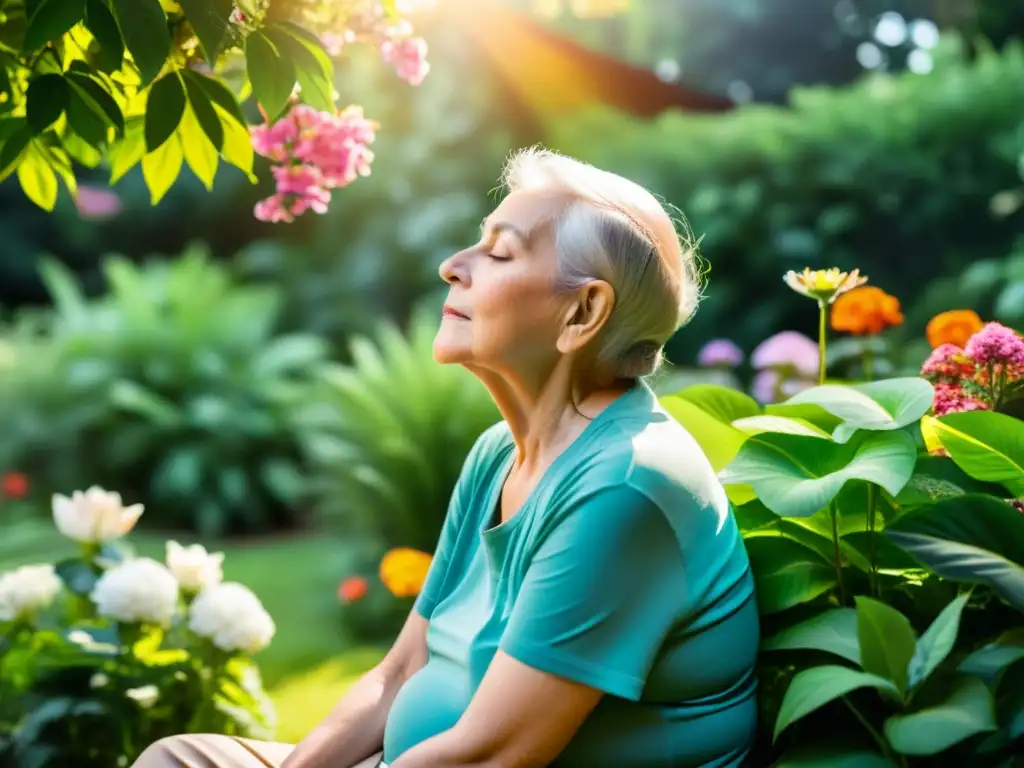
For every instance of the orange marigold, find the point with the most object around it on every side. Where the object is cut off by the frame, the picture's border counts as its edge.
(404, 570)
(866, 310)
(953, 327)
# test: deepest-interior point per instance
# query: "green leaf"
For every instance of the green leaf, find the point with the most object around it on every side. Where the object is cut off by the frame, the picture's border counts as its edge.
(796, 476)
(237, 148)
(271, 74)
(46, 100)
(834, 631)
(98, 99)
(218, 93)
(936, 643)
(938, 477)
(887, 641)
(876, 406)
(832, 757)
(724, 403)
(209, 20)
(816, 687)
(38, 180)
(786, 573)
(103, 26)
(756, 425)
(313, 67)
(14, 147)
(968, 711)
(200, 154)
(988, 661)
(128, 151)
(49, 19)
(161, 167)
(143, 24)
(205, 113)
(974, 539)
(77, 575)
(986, 445)
(61, 164)
(165, 107)
(142, 401)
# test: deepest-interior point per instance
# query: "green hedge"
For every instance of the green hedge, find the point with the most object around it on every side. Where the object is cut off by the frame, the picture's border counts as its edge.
(894, 174)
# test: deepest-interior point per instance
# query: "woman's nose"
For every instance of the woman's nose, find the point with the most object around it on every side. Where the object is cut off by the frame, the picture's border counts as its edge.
(454, 269)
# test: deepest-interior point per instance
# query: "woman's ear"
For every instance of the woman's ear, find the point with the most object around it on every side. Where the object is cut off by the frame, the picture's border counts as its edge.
(586, 316)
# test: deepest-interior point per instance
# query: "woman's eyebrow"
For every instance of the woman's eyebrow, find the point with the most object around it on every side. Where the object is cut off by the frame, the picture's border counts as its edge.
(498, 227)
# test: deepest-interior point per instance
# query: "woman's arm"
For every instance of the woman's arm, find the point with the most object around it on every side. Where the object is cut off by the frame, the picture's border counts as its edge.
(354, 729)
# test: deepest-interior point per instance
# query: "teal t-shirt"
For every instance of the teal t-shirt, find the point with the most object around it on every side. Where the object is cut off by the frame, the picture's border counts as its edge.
(624, 570)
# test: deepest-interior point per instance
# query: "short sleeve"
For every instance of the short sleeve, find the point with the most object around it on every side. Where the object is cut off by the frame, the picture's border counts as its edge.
(600, 594)
(485, 447)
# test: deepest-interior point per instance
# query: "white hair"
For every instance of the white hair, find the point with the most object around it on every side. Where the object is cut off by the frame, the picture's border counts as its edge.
(617, 231)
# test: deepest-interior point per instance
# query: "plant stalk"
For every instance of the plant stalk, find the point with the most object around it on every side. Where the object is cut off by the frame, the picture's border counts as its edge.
(834, 514)
(875, 735)
(872, 540)
(869, 364)
(822, 327)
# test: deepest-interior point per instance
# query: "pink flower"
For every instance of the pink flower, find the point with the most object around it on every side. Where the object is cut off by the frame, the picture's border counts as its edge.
(996, 344)
(334, 43)
(765, 386)
(946, 362)
(272, 209)
(720, 352)
(408, 56)
(96, 203)
(787, 350)
(951, 398)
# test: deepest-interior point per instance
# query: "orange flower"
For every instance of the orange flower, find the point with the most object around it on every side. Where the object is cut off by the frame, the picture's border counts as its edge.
(14, 485)
(404, 570)
(953, 327)
(865, 310)
(352, 589)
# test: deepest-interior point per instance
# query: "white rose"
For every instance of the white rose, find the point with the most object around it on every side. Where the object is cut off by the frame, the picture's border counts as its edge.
(26, 590)
(95, 515)
(232, 617)
(194, 567)
(139, 590)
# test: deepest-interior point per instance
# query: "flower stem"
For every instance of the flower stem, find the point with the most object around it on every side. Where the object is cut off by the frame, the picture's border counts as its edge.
(834, 513)
(822, 326)
(878, 738)
(869, 364)
(873, 538)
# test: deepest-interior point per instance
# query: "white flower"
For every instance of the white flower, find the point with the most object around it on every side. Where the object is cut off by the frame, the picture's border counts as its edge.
(95, 515)
(194, 567)
(145, 696)
(232, 617)
(98, 680)
(139, 590)
(26, 590)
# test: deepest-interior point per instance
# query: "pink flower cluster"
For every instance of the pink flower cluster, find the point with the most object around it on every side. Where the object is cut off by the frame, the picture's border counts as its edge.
(786, 363)
(986, 374)
(313, 153)
(408, 56)
(720, 353)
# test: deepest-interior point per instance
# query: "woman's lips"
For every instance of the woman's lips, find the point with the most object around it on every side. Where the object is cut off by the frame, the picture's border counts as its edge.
(452, 312)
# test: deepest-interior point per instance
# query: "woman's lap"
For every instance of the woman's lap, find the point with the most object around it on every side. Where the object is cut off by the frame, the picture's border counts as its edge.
(203, 750)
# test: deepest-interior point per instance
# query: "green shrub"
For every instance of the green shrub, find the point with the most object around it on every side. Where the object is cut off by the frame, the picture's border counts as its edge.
(173, 388)
(389, 433)
(894, 175)
(863, 517)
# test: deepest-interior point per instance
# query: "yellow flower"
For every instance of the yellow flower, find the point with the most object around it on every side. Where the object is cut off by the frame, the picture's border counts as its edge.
(404, 570)
(823, 284)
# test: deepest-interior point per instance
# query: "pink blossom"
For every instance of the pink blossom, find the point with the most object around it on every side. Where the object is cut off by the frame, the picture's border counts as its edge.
(720, 352)
(272, 209)
(96, 203)
(951, 398)
(996, 344)
(945, 362)
(765, 386)
(334, 43)
(789, 350)
(408, 56)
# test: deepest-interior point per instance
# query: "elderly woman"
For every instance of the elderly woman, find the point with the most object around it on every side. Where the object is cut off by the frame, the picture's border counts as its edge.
(590, 602)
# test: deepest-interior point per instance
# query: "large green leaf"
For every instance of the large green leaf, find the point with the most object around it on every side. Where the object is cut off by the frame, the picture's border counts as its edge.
(313, 67)
(103, 26)
(165, 106)
(49, 19)
(816, 687)
(45, 101)
(38, 180)
(724, 403)
(886, 641)
(218, 93)
(968, 711)
(161, 167)
(834, 631)
(796, 476)
(271, 73)
(987, 446)
(200, 154)
(876, 406)
(935, 644)
(787, 573)
(988, 661)
(973, 539)
(832, 757)
(143, 24)
(205, 113)
(936, 478)
(209, 19)
(755, 425)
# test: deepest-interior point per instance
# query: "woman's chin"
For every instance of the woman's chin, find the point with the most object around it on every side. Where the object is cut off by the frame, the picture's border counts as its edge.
(450, 354)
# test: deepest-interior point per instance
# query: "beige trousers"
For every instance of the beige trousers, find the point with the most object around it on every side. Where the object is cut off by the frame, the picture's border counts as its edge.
(200, 750)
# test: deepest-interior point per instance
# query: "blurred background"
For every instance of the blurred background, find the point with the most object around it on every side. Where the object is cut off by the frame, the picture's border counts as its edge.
(268, 389)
